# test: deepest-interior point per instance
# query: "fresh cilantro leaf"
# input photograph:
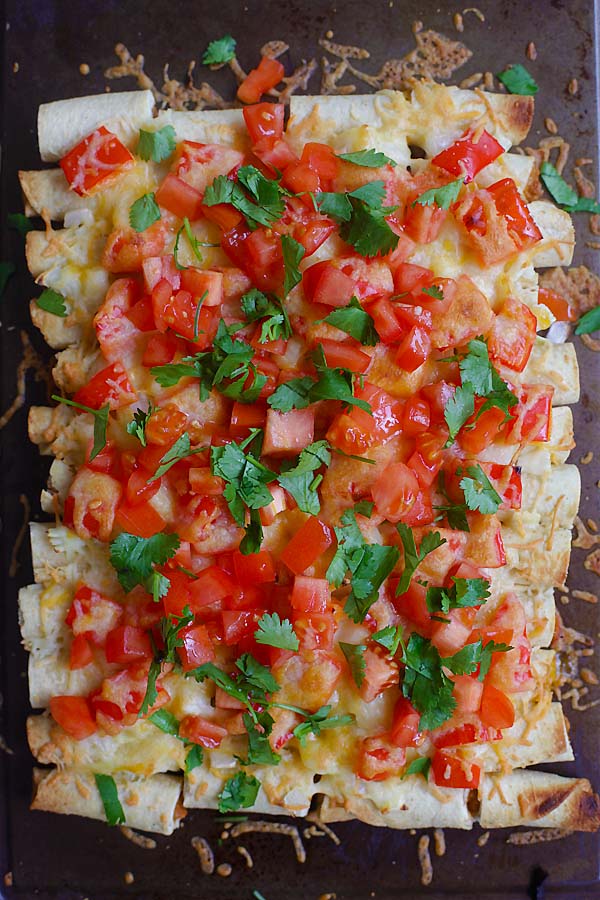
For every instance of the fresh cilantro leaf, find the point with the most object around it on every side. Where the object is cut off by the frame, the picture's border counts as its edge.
(181, 449)
(171, 627)
(354, 654)
(425, 683)
(585, 204)
(561, 192)
(355, 321)
(239, 792)
(367, 230)
(292, 394)
(589, 322)
(487, 651)
(52, 302)
(517, 80)
(276, 632)
(476, 367)
(157, 145)
(170, 374)
(337, 206)
(166, 721)
(134, 558)
(257, 306)
(419, 766)
(317, 722)
(7, 269)
(443, 197)
(293, 253)
(251, 686)
(434, 291)
(458, 409)
(109, 795)
(158, 585)
(466, 661)
(479, 492)
(151, 694)
(144, 212)
(364, 507)
(300, 481)
(19, 222)
(369, 566)
(256, 677)
(246, 488)
(412, 558)
(220, 51)
(263, 207)
(372, 159)
(464, 592)
(194, 758)
(137, 426)
(100, 422)
(389, 637)
(260, 752)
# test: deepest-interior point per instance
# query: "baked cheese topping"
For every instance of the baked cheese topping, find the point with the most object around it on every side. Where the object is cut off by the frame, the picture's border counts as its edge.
(308, 440)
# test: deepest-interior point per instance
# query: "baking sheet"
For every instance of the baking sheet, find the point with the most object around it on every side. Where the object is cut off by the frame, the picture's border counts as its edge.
(67, 857)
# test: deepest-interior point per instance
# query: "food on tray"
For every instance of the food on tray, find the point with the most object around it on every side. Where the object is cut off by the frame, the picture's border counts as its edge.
(310, 478)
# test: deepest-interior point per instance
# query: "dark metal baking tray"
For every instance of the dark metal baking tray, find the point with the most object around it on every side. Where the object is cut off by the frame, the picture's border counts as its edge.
(67, 857)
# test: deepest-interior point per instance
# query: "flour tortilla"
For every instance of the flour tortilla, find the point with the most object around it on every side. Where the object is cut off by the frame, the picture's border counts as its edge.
(538, 799)
(150, 804)
(63, 123)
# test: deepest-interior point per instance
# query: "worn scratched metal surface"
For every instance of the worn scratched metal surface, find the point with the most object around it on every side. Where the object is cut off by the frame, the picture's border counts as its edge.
(62, 857)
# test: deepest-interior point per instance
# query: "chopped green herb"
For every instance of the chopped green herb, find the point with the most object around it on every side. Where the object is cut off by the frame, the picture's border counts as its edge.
(166, 721)
(464, 592)
(293, 252)
(194, 758)
(331, 384)
(157, 145)
(299, 480)
(413, 558)
(137, 426)
(419, 766)
(52, 302)
(110, 799)
(219, 52)
(517, 80)
(100, 422)
(276, 632)
(443, 197)
(367, 230)
(372, 159)
(425, 683)
(364, 507)
(389, 637)
(257, 306)
(561, 192)
(260, 752)
(434, 291)
(181, 449)
(355, 321)
(458, 409)
(480, 494)
(134, 558)
(354, 654)
(19, 222)
(264, 205)
(589, 322)
(151, 694)
(239, 792)
(144, 212)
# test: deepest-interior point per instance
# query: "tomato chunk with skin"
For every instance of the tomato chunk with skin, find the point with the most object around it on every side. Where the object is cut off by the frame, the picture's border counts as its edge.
(180, 198)
(405, 724)
(141, 519)
(469, 155)
(450, 771)
(73, 715)
(92, 615)
(127, 644)
(311, 540)
(254, 568)
(201, 731)
(513, 335)
(267, 74)
(210, 587)
(197, 647)
(111, 385)
(379, 759)
(264, 120)
(311, 594)
(325, 283)
(381, 673)
(496, 709)
(395, 492)
(80, 653)
(287, 433)
(95, 161)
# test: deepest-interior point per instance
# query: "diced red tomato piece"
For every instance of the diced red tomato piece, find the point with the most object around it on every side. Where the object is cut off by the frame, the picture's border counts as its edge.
(413, 607)
(417, 416)
(127, 644)
(141, 519)
(481, 431)
(322, 160)
(315, 630)
(179, 312)
(180, 198)
(73, 715)
(210, 588)
(138, 490)
(497, 709)
(395, 492)
(345, 355)
(405, 724)
(95, 161)
(509, 203)
(311, 540)
(201, 731)
(467, 692)
(203, 285)
(91, 503)
(264, 120)
(449, 637)
(387, 325)
(287, 433)
(197, 647)
(560, 308)
(126, 249)
(311, 595)
(92, 615)
(325, 283)
(254, 568)
(467, 156)
(300, 178)
(268, 73)
(80, 654)
(450, 771)
(245, 416)
(276, 155)
(160, 350)
(533, 416)
(141, 315)
(423, 223)
(239, 624)
(157, 268)
(379, 759)
(414, 349)
(513, 335)
(203, 482)
(224, 215)
(381, 673)
(111, 385)
(165, 425)
(411, 279)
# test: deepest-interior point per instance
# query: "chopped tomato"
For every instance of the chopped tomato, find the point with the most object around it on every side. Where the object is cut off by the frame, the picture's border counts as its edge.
(379, 759)
(92, 615)
(395, 492)
(126, 249)
(414, 349)
(210, 588)
(346, 355)
(315, 630)
(92, 503)
(202, 481)
(560, 308)
(387, 324)
(111, 385)
(497, 709)
(469, 155)
(199, 164)
(468, 733)
(405, 724)
(300, 178)
(302, 223)
(311, 595)
(254, 568)
(268, 73)
(417, 416)
(126, 644)
(256, 252)
(513, 335)
(480, 431)
(264, 120)
(411, 279)
(158, 267)
(451, 636)
(73, 715)
(533, 415)
(180, 198)
(160, 349)
(412, 606)
(80, 654)
(201, 731)
(450, 771)
(287, 433)
(204, 285)
(278, 504)
(165, 425)
(311, 540)
(96, 160)
(239, 624)
(381, 673)
(197, 647)
(138, 490)
(179, 311)
(245, 416)
(141, 519)
(467, 692)
(423, 223)
(509, 203)
(276, 155)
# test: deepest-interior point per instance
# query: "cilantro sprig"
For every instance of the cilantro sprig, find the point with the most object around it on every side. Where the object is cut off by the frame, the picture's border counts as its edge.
(354, 654)
(52, 302)
(315, 723)
(137, 426)
(369, 565)
(100, 422)
(389, 637)
(355, 321)
(239, 792)
(480, 494)
(563, 194)
(276, 632)
(157, 145)
(293, 253)
(300, 480)
(463, 592)
(362, 218)
(370, 158)
(259, 199)
(257, 307)
(330, 384)
(134, 558)
(181, 449)
(443, 197)
(589, 322)
(517, 80)
(219, 51)
(413, 557)
(144, 212)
